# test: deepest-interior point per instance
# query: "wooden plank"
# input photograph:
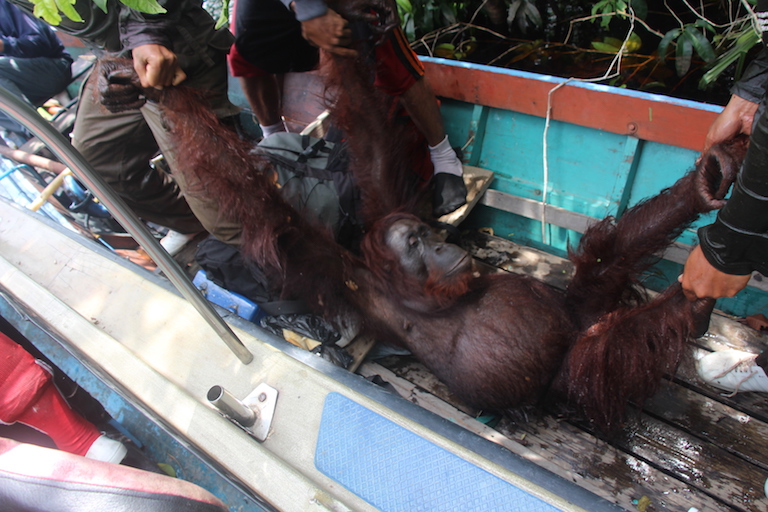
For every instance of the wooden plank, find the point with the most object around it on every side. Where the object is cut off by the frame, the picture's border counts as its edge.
(558, 446)
(69, 41)
(725, 333)
(359, 349)
(645, 116)
(623, 476)
(477, 181)
(716, 422)
(512, 257)
(511, 251)
(702, 465)
(424, 398)
(536, 210)
(476, 135)
(303, 99)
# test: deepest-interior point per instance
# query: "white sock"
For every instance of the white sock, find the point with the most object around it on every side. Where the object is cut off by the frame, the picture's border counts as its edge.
(444, 158)
(107, 450)
(278, 127)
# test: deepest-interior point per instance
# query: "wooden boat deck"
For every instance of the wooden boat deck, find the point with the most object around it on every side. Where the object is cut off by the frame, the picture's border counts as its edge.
(689, 448)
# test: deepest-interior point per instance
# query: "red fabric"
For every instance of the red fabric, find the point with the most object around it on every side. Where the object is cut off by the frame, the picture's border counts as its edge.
(53, 469)
(28, 396)
(238, 66)
(397, 66)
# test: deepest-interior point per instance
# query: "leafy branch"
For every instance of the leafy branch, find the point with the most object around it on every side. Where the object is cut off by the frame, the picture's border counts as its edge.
(689, 38)
(52, 10)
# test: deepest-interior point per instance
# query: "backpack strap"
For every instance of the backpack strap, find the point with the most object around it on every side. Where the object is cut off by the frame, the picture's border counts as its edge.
(310, 150)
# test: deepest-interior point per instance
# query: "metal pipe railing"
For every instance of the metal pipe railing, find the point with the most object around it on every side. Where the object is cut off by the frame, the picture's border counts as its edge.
(71, 158)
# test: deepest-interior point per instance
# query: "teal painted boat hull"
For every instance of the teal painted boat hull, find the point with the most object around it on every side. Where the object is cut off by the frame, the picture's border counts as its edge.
(585, 164)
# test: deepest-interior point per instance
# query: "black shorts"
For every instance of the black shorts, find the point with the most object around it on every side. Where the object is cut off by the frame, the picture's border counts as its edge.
(268, 36)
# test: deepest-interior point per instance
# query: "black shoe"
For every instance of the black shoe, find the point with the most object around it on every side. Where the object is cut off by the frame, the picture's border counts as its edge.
(449, 193)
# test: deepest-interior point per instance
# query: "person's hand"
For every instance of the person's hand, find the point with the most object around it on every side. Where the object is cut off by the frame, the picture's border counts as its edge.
(736, 118)
(329, 32)
(157, 66)
(701, 280)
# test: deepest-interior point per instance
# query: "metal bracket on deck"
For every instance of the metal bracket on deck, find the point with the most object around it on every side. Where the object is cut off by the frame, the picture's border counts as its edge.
(253, 414)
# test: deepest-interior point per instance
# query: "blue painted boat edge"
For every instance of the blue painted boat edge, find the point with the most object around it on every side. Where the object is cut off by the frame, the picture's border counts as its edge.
(576, 83)
(224, 486)
(417, 474)
(45, 337)
(158, 441)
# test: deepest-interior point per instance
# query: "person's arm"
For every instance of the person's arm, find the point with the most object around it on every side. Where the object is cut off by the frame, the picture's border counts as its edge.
(738, 115)
(306, 9)
(736, 244)
(329, 32)
(157, 66)
(753, 84)
(31, 39)
(736, 118)
(700, 279)
(322, 27)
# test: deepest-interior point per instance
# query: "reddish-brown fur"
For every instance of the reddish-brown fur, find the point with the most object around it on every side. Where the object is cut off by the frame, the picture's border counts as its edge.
(497, 341)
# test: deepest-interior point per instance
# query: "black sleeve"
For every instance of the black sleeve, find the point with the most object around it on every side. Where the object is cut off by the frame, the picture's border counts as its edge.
(737, 243)
(752, 85)
(138, 28)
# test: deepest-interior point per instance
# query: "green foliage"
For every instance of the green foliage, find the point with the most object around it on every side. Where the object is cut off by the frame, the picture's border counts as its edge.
(423, 16)
(702, 41)
(456, 51)
(223, 18)
(742, 42)
(147, 6)
(219, 10)
(605, 10)
(405, 11)
(52, 10)
(524, 14)
(688, 38)
(613, 45)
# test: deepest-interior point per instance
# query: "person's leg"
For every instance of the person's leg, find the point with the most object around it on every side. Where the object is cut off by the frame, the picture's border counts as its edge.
(263, 95)
(400, 73)
(268, 43)
(262, 91)
(205, 210)
(39, 78)
(8, 81)
(268, 36)
(28, 396)
(6, 123)
(119, 147)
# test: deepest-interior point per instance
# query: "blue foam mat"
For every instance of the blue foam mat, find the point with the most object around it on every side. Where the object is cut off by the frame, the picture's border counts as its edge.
(396, 470)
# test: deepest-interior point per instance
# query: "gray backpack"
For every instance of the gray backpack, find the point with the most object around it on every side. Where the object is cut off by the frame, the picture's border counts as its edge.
(313, 177)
